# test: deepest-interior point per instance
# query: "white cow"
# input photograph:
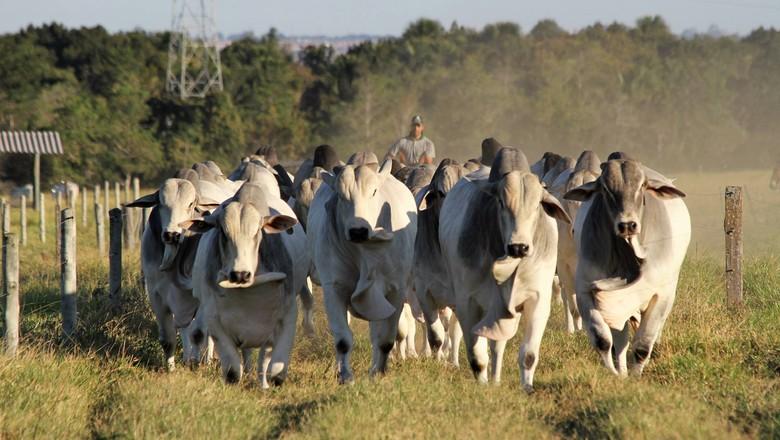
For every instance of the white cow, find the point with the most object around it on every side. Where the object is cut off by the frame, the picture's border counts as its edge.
(167, 255)
(246, 275)
(632, 233)
(362, 224)
(499, 241)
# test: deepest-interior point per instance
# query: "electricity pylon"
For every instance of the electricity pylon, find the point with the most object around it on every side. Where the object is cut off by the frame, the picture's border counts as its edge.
(194, 69)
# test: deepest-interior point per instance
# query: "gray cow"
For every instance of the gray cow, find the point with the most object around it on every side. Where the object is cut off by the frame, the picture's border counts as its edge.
(499, 240)
(246, 275)
(362, 226)
(632, 232)
(431, 279)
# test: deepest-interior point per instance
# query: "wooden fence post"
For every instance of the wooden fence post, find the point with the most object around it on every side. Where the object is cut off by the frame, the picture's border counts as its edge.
(732, 225)
(136, 188)
(42, 218)
(115, 257)
(37, 181)
(58, 224)
(84, 212)
(129, 228)
(11, 292)
(100, 229)
(106, 195)
(126, 184)
(118, 194)
(6, 217)
(23, 218)
(68, 286)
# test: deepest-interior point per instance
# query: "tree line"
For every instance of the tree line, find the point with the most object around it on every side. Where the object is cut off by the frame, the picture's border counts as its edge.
(682, 103)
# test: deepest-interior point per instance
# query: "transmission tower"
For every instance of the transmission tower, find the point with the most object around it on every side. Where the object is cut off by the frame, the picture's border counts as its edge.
(194, 69)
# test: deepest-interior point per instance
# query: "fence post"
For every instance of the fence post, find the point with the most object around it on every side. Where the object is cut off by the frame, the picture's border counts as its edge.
(126, 184)
(58, 224)
(23, 218)
(732, 225)
(118, 194)
(84, 212)
(68, 287)
(115, 257)
(144, 222)
(129, 227)
(42, 218)
(136, 188)
(106, 195)
(11, 292)
(6, 217)
(100, 229)
(37, 182)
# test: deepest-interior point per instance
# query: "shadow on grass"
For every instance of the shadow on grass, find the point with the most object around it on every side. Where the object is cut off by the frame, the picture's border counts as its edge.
(293, 416)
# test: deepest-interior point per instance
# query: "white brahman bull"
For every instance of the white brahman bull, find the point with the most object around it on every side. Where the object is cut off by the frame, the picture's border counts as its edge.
(499, 240)
(632, 233)
(362, 225)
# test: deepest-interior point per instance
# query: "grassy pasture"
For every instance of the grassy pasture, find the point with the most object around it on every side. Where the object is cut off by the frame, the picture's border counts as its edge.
(715, 374)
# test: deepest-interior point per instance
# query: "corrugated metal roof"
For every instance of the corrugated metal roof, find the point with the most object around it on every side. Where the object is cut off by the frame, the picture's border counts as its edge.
(30, 142)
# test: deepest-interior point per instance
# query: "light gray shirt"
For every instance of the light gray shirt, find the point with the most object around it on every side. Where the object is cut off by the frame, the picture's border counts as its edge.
(408, 151)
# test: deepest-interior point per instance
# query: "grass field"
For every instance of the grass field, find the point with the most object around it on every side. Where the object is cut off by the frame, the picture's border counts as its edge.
(715, 374)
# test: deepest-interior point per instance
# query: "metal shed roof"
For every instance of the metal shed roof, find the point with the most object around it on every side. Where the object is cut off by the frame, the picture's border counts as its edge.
(30, 142)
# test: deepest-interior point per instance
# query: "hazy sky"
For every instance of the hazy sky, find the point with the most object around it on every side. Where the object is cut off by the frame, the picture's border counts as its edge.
(315, 17)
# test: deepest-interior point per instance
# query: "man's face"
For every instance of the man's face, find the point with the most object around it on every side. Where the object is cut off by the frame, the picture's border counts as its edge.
(417, 130)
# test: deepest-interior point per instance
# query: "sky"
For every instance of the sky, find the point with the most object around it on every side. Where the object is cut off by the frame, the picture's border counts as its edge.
(330, 18)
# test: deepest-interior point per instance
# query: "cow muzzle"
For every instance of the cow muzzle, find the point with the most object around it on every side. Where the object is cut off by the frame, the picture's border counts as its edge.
(518, 250)
(363, 234)
(171, 237)
(244, 279)
(358, 235)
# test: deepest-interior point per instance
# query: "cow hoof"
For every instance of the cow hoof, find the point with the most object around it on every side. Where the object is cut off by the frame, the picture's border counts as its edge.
(529, 389)
(346, 379)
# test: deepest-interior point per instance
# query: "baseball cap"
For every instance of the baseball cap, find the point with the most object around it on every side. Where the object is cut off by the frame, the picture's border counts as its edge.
(417, 119)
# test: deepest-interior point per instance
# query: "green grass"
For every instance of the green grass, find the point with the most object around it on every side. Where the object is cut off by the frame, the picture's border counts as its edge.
(715, 373)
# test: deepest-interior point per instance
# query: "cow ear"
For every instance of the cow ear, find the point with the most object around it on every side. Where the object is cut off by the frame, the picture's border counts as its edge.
(553, 208)
(329, 178)
(386, 168)
(146, 201)
(206, 204)
(581, 193)
(275, 224)
(423, 205)
(664, 190)
(196, 226)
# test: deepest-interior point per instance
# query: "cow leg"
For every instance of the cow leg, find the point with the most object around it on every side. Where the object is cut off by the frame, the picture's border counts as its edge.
(307, 304)
(455, 336)
(619, 349)
(411, 334)
(476, 347)
(246, 355)
(263, 361)
(229, 357)
(573, 321)
(383, 335)
(336, 309)
(536, 311)
(282, 348)
(557, 290)
(653, 319)
(191, 353)
(401, 335)
(434, 334)
(496, 359)
(166, 328)
(426, 349)
(598, 331)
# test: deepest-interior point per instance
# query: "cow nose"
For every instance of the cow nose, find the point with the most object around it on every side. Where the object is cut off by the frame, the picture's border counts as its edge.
(171, 237)
(358, 234)
(239, 277)
(627, 228)
(517, 250)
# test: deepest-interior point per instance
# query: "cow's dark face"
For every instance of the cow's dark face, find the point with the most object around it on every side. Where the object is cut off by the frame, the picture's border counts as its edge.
(623, 185)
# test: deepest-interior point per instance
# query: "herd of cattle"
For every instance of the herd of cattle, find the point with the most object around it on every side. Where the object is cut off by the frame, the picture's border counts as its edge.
(473, 250)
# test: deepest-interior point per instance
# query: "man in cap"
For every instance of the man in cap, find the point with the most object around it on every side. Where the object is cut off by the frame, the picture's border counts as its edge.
(414, 148)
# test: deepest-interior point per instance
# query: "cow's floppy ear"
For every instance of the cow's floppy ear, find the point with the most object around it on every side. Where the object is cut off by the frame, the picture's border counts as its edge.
(205, 205)
(582, 193)
(196, 226)
(386, 168)
(275, 224)
(146, 201)
(553, 208)
(664, 190)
